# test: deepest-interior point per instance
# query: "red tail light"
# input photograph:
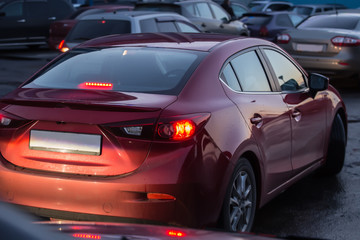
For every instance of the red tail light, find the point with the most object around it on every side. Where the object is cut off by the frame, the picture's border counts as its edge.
(342, 41)
(181, 127)
(62, 46)
(175, 233)
(10, 121)
(96, 85)
(264, 31)
(283, 38)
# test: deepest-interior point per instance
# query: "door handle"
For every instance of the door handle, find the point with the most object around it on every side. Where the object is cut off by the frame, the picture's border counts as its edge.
(257, 120)
(221, 26)
(52, 18)
(296, 114)
(203, 25)
(21, 20)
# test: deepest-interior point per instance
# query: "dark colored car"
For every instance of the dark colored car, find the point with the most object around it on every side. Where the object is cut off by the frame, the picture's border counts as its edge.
(26, 22)
(207, 15)
(328, 43)
(269, 25)
(173, 128)
(59, 29)
(125, 22)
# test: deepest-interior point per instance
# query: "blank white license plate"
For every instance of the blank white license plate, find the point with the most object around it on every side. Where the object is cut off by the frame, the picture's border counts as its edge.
(89, 144)
(310, 47)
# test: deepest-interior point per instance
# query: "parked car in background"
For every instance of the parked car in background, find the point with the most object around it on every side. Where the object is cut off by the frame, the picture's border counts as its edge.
(27, 22)
(310, 9)
(238, 8)
(59, 29)
(98, 25)
(207, 15)
(194, 130)
(270, 6)
(268, 25)
(326, 43)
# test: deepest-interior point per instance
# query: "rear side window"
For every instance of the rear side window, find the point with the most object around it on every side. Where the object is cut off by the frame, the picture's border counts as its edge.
(146, 70)
(250, 73)
(256, 20)
(13, 9)
(88, 29)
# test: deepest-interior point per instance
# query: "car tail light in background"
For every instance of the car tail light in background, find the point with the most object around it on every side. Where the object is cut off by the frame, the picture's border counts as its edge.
(341, 41)
(62, 46)
(263, 31)
(86, 236)
(283, 38)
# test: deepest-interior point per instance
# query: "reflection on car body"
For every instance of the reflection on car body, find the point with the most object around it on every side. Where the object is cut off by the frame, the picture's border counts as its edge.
(195, 130)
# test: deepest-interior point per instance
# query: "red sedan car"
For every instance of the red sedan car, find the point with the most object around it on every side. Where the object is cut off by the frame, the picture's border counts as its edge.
(186, 129)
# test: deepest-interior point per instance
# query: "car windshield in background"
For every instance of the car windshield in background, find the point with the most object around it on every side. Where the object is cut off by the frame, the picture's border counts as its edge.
(331, 21)
(98, 28)
(303, 10)
(117, 69)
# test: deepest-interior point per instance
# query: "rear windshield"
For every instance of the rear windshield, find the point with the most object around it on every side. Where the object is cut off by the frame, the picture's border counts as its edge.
(331, 21)
(88, 29)
(132, 69)
(256, 20)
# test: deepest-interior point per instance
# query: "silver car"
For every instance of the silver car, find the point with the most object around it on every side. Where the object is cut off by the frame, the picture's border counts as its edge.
(326, 43)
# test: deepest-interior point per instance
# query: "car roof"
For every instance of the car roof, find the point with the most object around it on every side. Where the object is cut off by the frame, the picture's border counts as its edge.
(186, 41)
(130, 14)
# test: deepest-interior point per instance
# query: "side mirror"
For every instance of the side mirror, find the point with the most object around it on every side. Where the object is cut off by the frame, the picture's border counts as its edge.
(317, 82)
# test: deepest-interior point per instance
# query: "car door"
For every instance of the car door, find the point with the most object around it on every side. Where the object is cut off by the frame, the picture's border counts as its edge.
(265, 113)
(200, 14)
(308, 114)
(37, 19)
(12, 22)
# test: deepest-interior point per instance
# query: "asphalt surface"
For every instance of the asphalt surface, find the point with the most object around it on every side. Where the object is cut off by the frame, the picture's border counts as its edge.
(316, 207)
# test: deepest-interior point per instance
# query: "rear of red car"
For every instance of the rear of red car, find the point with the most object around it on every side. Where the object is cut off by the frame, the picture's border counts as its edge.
(89, 137)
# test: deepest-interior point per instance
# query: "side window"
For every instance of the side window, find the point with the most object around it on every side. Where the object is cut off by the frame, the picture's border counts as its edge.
(166, 27)
(13, 9)
(148, 25)
(228, 76)
(37, 10)
(250, 73)
(183, 27)
(60, 9)
(219, 13)
(204, 10)
(288, 75)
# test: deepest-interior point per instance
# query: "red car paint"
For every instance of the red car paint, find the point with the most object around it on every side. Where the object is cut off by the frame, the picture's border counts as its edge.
(192, 174)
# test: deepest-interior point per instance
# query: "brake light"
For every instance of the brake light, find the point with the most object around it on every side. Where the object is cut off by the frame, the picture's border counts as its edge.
(175, 233)
(160, 196)
(283, 38)
(96, 85)
(86, 236)
(341, 41)
(62, 46)
(264, 31)
(178, 130)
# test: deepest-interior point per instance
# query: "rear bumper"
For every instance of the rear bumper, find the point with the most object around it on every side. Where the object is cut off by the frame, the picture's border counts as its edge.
(197, 198)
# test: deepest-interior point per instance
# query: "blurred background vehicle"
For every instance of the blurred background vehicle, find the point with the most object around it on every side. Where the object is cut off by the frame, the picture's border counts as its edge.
(310, 9)
(238, 8)
(268, 25)
(125, 22)
(27, 22)
(270, 6)
(207, 15)
(327, 43)
(59, 29)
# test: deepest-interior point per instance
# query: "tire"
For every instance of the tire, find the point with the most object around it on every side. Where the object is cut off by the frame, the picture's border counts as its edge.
(239, 205)
(336, 149)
